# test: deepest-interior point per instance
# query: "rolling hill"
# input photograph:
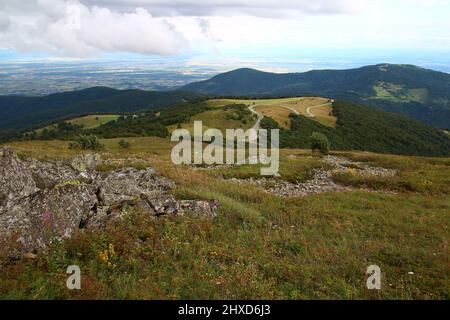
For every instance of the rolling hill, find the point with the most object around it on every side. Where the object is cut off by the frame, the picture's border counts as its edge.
(18, 112)
(354, 127)
(366, 129)
(416, 92)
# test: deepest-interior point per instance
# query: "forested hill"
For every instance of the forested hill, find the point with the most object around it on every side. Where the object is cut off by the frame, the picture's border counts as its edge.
(17, 112)
(367, 129)
(416, 92)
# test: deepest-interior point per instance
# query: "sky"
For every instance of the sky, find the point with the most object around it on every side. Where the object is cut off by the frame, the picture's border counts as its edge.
(222, 31)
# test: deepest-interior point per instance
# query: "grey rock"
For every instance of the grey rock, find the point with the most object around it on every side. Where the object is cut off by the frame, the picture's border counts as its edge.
(41, 202)
(46, 216)
(200, 208)
(129, 184)
(16, 180)
(165, 205)
(86, 162)
(47, 175)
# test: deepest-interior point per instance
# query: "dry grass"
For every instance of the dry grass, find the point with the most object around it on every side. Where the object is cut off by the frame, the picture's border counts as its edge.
(279, 109)
(93, 121)
(216, 119)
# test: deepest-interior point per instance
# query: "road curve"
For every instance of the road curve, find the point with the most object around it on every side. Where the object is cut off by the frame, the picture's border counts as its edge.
(308, 110)
(291, 109)
(254, 134)
(255, 128)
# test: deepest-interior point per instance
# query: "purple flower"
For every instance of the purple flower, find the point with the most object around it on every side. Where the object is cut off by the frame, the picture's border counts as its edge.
(47, 218)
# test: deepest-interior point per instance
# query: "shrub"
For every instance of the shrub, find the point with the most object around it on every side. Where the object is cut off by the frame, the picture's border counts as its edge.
(86, 142)
(320, 142)
(124, 144)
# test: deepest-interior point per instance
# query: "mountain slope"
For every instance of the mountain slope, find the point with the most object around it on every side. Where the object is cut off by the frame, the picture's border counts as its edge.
(419, 93)
(18, 112)
(367, 129)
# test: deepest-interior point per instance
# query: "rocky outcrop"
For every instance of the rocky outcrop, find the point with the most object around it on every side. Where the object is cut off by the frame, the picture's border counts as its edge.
(42, 202)
(47, 215)
(16, 180)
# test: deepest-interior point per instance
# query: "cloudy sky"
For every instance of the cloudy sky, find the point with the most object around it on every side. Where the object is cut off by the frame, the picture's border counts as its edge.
(94, 29)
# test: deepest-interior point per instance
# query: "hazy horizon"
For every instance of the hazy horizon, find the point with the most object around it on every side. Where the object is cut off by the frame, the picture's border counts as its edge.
(49, 46)
(219, 32)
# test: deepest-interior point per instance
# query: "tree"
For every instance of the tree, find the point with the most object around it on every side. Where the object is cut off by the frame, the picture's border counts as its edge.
(320, 142)
(86, 142)
(124, 144)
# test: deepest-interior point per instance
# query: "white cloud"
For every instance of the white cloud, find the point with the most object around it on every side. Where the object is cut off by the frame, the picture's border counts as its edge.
(72, 29)
(4, 21)
(264, 8)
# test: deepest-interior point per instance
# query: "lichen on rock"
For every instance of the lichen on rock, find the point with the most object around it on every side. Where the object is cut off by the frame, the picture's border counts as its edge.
(41, 202)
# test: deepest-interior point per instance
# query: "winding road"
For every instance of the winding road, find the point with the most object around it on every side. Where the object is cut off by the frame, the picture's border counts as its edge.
(254, 135)
(308, 110)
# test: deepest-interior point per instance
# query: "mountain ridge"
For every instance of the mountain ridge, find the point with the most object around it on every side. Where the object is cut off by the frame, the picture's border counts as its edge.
(19, 112)
(417, 92)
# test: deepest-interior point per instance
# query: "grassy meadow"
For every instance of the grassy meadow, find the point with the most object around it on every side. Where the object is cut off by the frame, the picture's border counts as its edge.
(261, 246)
(280, 109)
(87, 122)
(93, 121)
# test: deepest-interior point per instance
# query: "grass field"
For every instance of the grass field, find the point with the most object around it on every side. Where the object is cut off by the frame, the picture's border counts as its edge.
(88, 122)
(397, 93)
(217, 119)
(94, 121)
(261, 246)
(279, 109)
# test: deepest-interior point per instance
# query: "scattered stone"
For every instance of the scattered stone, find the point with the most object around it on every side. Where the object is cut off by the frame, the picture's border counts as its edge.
(322, 179)
(200, 208)
(320, 183)
(165, 205)
(341, 164)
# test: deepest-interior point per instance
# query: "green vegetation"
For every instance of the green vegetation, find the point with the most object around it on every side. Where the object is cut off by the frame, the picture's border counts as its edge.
(222, 117)
(27, 112)
(151, 123)
(86, 142)
(363, 128)
(418, 93)
(398, 93)
(93, 121)
(239, 112)
(279, 109)
(357, 127)
(124, 144)
(319, 142)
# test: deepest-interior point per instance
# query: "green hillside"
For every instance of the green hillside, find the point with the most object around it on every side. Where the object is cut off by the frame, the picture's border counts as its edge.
(357, 127)
(416, 92)
(24, 112)
(363, 128)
